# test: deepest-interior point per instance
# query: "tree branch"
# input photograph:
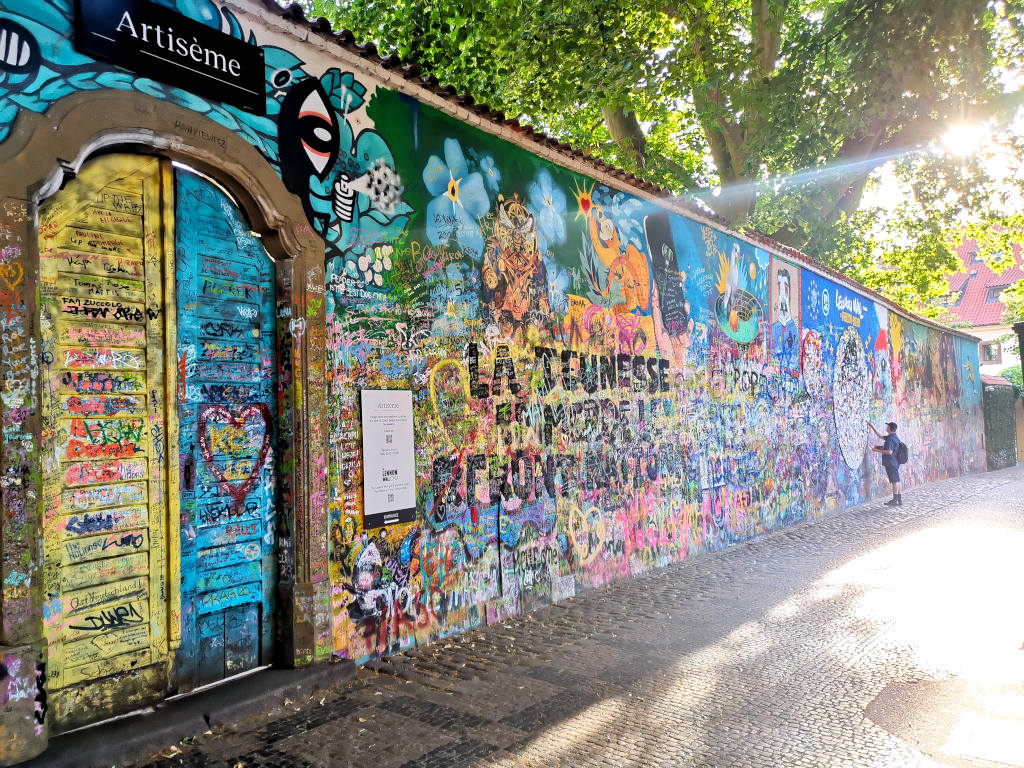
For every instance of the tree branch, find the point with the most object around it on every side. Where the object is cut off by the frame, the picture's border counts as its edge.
(766, 29)
(849, 200)
(872, 148)
(626, 132)
(718, 129)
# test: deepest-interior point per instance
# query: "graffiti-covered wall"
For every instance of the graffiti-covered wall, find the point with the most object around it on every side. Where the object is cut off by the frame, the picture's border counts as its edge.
(602, 387)
(603, 383)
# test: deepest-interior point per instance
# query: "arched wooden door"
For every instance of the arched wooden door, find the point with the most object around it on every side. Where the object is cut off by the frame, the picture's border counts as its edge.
(226, 400)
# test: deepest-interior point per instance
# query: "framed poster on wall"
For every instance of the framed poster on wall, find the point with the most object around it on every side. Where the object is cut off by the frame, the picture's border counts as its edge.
(389, 459)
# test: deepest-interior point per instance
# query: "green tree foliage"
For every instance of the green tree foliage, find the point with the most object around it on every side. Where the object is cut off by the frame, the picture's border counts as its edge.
(1013, 375)
(902, 257)
(785, 106)
(906, 247)
(998, 239)
(1013, 301)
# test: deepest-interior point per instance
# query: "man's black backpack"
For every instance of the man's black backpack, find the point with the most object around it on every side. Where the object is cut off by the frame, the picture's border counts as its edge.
(902, 453)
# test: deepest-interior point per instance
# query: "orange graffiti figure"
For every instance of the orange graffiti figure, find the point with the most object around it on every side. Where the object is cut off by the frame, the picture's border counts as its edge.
(626, 266)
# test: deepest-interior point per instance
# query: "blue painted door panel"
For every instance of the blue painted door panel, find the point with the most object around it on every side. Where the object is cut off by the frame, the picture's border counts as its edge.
(226, 397)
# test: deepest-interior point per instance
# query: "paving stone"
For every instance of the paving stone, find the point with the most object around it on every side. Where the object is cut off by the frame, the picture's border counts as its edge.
(454, 755)
(371, 737)
(549, 711)
(306, 720)
(554, 675)
(434, 714)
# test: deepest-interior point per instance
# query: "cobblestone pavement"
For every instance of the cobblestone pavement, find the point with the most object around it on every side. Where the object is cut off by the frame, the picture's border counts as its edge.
(874, 637)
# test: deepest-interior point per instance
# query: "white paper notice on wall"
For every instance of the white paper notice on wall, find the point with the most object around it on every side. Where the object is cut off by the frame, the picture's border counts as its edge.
(389, 459)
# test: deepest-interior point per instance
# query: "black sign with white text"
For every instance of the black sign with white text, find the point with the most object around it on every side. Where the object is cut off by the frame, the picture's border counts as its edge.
(161, 44)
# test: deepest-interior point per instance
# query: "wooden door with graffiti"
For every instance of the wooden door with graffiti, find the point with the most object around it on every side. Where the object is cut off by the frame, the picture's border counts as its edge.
(103, 252)
(226, 396)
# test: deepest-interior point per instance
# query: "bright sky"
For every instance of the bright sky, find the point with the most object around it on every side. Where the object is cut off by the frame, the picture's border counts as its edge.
(999, 161)
(965, 140)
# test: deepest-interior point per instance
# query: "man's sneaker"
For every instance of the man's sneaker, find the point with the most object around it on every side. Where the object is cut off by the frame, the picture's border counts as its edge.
(899, 501)
(891, 503)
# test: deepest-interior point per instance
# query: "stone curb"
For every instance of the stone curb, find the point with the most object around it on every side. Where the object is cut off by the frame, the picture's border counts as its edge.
(169, 722)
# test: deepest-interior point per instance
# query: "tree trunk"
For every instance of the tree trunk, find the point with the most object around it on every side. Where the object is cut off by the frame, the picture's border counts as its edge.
(735, 202)
(626, 132)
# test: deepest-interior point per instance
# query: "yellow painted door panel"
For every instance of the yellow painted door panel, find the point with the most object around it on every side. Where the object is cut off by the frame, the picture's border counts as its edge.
(109, 474)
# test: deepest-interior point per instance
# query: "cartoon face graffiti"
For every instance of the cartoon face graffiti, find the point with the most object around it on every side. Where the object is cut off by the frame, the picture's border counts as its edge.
(348, 185)
(313, 150)
(784, 316)
(626, 269)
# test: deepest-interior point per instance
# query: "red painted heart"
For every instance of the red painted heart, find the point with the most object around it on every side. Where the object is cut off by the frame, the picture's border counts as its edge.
(218, 414)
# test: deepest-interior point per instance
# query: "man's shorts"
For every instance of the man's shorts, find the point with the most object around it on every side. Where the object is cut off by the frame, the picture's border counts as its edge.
(893, 473)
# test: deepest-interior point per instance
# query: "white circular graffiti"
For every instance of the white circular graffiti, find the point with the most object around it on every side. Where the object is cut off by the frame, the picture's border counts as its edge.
(812, 367)
(851, 397)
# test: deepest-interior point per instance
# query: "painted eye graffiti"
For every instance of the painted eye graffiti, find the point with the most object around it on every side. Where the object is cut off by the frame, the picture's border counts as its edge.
(317, 131)
(19, 51)
(281, 78)
(309, 135)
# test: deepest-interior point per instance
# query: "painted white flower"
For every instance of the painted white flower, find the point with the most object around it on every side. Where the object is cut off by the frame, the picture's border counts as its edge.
(374, 265)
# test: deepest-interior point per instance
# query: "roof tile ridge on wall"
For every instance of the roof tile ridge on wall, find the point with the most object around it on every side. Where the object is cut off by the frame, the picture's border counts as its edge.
(428, 89)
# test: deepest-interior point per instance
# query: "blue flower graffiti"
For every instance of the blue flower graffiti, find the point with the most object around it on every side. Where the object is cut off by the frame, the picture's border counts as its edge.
(624, 211)
(548, 202)
(558, 287)
(490, 172)
(460, 199)
(457, 291)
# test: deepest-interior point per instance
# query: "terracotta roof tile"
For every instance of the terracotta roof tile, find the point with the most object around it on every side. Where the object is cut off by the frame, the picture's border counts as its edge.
(995, 381)
(974, 282)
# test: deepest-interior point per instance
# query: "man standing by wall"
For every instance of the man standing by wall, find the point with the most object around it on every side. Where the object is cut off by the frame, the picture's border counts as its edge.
(890, 443)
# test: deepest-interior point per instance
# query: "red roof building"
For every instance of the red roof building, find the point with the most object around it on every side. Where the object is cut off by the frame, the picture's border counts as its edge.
(975, 294)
